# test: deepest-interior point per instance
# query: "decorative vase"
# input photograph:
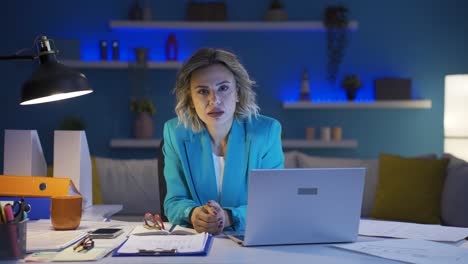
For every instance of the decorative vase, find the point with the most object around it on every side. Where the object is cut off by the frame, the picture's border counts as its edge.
(276, 15)
(141, 55)
(143, 126)
(351, 93)
(135, 12)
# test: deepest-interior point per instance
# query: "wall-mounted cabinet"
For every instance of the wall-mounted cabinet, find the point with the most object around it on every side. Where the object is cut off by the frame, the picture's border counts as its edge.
(409, 104)
(222, 26)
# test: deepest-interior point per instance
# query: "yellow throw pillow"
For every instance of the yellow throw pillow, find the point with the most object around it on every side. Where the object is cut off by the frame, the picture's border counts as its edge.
(97, 197)
(409, 189)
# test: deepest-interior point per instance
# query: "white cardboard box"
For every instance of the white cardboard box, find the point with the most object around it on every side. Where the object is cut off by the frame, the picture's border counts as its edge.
(72, 160)
(23, 154)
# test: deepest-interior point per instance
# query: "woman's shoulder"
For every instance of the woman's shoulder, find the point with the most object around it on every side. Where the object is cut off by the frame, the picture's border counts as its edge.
(176, 128)
(262, 125)
(262, 121)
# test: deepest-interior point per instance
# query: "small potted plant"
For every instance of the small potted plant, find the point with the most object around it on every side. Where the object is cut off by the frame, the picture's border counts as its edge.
(351, 84)
(276, 12)
(335, 20)
(144, 109)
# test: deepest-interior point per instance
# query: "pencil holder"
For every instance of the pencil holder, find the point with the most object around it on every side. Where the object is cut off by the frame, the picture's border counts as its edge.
(13, 240)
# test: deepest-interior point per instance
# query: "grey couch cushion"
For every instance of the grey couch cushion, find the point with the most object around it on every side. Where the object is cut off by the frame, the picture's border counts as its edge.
(132, 183)
(290, 159)
(306, 161)
(455, 193)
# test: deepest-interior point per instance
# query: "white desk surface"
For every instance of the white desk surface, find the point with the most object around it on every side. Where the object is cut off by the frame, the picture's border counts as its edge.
(225, 250)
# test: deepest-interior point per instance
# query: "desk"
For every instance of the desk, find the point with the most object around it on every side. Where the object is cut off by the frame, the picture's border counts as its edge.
(225, 250)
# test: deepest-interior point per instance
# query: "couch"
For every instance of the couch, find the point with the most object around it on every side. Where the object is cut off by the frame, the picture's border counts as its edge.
(134, 183)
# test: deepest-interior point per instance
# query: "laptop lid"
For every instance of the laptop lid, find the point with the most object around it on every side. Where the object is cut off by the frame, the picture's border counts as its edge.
(296, 206)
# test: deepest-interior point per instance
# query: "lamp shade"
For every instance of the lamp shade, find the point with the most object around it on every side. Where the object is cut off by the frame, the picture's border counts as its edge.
(456, 115)
(53, 81)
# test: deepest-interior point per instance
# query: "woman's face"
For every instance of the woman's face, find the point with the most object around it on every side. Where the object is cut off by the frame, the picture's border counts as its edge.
(214, 95)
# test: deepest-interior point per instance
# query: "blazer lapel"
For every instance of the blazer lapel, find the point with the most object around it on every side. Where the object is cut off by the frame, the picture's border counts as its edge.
(200, 161)
(236, 162)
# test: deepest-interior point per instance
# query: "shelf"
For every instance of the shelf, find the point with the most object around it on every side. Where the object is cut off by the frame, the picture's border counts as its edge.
(289, 143)
(223, 26)
(421, 104)
(119, 64)
(135, 143)
(302, 143)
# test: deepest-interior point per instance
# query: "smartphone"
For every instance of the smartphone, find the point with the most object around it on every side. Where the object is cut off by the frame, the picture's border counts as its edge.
(106, 233)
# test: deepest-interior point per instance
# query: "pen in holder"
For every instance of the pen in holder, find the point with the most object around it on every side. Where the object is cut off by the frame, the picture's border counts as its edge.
(13, 240)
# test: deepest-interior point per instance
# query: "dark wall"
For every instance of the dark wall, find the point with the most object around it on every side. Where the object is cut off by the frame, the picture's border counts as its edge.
(421, 40)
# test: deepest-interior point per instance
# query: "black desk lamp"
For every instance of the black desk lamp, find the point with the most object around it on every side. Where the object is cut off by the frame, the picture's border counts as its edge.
(52, 81)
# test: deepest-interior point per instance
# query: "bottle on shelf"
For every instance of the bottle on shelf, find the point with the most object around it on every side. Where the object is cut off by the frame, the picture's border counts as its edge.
(171, 48)
(305, 89)
(103, 48)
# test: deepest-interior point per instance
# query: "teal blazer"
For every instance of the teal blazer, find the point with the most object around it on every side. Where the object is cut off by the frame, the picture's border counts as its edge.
(190, 173)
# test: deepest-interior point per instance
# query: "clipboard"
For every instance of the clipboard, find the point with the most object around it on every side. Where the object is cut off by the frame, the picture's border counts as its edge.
(165, 253)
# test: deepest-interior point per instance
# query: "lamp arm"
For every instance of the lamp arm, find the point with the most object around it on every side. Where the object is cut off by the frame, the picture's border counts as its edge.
(18, 57)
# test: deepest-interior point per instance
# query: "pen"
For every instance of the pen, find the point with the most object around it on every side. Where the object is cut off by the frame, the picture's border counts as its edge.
(154, 252)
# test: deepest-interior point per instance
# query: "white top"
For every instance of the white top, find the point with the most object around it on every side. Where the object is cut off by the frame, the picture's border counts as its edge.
(219, 172)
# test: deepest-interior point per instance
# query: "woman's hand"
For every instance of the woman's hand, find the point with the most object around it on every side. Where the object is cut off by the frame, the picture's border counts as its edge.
(224, 216)
(205, 219)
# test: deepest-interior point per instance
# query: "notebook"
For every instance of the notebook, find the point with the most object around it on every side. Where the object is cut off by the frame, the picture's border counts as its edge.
(319, 205)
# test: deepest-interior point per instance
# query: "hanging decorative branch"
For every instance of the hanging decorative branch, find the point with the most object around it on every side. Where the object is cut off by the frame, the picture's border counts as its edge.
(336, 21)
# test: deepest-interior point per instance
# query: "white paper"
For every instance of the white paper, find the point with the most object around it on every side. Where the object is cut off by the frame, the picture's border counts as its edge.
(412, 231)
(51, 240)
(182, 244)
(141, 230)
(41, 235)
(411, 251)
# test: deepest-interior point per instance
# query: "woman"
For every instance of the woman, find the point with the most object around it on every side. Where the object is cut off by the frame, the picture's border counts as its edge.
(216, 139)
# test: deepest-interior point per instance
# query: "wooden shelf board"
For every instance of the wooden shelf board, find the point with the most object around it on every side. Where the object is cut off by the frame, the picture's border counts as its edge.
(224, 25)
(416, 104)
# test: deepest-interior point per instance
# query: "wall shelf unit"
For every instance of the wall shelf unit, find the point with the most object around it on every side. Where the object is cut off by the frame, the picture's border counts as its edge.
(403, 104)
(287, 143)
(305, 144)
(135, 143)
(119, 64)
(222, 26)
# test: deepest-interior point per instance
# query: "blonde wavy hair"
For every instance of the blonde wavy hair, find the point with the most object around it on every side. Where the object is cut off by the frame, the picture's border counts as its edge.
(246, 108)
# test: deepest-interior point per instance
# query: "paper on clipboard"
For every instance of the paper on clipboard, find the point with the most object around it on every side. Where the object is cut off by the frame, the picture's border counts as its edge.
(178, 244)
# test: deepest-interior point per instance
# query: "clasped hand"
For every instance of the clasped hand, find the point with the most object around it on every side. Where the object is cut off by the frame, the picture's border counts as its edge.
(209, 218)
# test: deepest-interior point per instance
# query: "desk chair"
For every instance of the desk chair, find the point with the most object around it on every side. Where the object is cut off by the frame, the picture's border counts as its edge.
(161, 180)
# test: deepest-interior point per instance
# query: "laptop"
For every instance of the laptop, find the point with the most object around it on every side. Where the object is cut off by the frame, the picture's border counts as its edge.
(301, 206)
